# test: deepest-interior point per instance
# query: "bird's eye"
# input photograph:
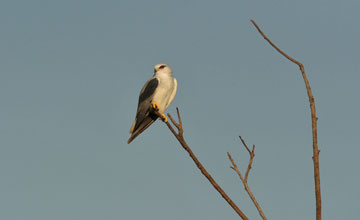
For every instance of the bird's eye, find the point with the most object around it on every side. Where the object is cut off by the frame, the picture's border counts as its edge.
(162, 67)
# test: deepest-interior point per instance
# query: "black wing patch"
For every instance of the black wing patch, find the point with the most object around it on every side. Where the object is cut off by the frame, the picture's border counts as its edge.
(144, 118)
(149, 89)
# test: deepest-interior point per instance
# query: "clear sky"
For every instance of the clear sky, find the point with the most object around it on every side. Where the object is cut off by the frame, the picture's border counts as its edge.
(71, 72)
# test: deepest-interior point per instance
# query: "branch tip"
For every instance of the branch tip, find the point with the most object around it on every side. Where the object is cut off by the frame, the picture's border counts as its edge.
(313, 121)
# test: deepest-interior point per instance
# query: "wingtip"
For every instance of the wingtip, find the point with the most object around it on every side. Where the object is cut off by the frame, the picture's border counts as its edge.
(132, 127)
(132, 137)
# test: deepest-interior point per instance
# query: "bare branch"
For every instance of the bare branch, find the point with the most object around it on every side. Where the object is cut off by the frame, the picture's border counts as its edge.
(243, 142)
(244, 180)
(252, 155)
(313, 120)
(174, 122)
(235, 168)
(179, 136)
(179, 117)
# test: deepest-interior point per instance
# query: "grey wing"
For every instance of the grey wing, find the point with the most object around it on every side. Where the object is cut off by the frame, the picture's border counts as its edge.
(144, 117)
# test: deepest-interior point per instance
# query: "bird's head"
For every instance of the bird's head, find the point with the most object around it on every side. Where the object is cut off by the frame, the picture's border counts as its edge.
(162, 68)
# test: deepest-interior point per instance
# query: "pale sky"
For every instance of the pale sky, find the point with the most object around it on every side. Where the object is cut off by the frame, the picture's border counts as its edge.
(71, 73)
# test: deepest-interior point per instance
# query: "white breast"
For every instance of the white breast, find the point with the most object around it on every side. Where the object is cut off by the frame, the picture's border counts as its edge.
(164, 91)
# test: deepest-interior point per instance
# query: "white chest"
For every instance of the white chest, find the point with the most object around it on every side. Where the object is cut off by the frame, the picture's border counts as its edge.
(163, 92)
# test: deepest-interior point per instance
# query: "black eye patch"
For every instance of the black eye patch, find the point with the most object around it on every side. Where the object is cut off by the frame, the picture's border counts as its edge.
(162, 67)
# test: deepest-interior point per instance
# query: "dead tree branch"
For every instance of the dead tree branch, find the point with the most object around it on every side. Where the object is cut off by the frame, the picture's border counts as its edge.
(179, 136)
(244, 180)
(313, 120)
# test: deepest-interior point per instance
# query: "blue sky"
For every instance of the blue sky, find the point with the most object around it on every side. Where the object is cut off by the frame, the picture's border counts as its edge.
(71, 72)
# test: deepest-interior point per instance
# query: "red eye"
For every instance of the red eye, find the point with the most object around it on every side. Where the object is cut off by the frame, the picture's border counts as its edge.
(162, 67)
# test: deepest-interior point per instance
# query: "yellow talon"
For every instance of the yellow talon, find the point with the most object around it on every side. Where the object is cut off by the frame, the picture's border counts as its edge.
(155, 106)
(164, 118)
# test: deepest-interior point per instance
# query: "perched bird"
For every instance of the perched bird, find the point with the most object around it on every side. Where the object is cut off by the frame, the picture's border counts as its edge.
(157, 94)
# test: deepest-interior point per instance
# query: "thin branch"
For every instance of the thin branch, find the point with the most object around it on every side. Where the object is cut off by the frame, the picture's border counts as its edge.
(313, 120)
(179, 136)
(243, 142)
(244, 180)
(252, 155)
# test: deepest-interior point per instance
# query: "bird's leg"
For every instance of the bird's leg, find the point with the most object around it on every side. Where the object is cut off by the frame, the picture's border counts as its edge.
(163, 117)
(155, 106)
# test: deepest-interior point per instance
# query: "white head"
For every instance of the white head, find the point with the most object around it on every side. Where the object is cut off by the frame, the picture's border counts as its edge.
(162, 68)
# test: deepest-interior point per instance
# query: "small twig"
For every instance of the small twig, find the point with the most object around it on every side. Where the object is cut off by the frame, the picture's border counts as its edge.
(243, 142)
(244, 180)
(313, 120)
(252, 155)
(179, 136)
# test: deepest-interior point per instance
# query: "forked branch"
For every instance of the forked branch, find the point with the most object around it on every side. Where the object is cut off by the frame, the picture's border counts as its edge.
(244, 180)
(179, 136)
(313, 120)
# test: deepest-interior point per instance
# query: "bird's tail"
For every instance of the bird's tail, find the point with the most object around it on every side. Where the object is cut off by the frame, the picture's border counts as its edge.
(141, 127)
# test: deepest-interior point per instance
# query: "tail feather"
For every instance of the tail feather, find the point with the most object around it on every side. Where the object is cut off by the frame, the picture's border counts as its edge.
(141, 127)
(132, 127)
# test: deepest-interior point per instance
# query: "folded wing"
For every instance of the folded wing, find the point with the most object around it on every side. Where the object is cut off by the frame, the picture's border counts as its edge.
(144, 117)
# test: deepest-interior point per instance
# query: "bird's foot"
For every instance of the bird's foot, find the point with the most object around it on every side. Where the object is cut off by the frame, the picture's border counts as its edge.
(155, 106)
(164, 118)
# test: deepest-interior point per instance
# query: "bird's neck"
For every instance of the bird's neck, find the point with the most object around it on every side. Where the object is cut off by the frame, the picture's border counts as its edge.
(164, 74)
